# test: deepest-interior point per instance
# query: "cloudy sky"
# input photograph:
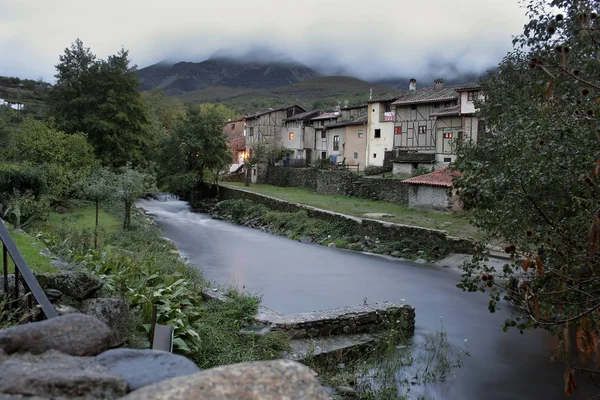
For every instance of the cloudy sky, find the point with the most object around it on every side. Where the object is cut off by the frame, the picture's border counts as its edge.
(371, 39)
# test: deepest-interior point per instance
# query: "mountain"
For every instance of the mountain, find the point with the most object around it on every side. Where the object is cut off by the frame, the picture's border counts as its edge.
(324, 92)
(183, 77)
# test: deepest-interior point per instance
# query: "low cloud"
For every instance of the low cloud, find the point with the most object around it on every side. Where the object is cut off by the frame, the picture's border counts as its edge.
(373, 40)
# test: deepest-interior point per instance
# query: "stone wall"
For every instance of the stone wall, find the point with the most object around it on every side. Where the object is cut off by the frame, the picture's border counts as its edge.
(427, 238)
(342, 321)
(341, 183)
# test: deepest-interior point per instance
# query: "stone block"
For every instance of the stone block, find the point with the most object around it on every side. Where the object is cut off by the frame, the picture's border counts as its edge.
(141, 368)
(72, 334)
(114, 313)
(268, 380)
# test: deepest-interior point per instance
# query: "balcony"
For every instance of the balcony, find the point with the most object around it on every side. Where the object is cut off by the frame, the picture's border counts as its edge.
(387, 116)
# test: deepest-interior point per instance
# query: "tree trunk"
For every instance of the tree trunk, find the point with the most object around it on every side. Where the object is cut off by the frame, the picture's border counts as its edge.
(247, 179)
(96, 227)
(127, 220)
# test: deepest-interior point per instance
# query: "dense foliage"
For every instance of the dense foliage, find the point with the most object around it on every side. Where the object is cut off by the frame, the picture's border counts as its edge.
(533, 178)
(102, 99)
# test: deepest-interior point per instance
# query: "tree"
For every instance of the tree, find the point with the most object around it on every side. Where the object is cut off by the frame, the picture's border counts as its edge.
(102, 99)
(98, 187)
(259, 153)
(532, 180)
(197, 143)
(131, 184)
(66, 159)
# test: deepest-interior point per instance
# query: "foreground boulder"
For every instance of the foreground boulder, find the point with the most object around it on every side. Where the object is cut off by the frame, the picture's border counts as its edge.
(73, 334)
(268, 380)
(141, 368)
(57, 375)
(114, 313)
(76, 284)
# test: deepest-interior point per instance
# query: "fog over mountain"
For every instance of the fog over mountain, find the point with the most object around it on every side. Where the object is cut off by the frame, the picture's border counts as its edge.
(372, 41)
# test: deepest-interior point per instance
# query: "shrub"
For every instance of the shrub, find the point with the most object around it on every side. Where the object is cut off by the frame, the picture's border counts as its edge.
(23, 177)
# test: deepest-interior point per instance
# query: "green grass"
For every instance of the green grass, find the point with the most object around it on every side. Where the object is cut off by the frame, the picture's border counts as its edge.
(30, 248)
(83, 215)
(456, 224)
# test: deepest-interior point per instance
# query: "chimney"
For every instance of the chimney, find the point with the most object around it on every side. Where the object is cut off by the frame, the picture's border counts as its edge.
(438, 83)
(413, 84)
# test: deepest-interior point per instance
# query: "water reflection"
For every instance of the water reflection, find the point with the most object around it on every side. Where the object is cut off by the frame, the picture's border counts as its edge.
(295, 277)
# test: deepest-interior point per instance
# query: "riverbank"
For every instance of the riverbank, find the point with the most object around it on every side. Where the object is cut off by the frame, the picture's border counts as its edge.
(313, 225)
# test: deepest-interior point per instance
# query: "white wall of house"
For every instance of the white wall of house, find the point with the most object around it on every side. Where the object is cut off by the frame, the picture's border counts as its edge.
(377, 146)
(332, 150)
(290, 136)
(424, 197)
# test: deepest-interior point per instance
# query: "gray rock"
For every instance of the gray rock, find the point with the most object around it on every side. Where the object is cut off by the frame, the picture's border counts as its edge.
(306, 239)
(53, 294)
(77, 284)
(141, 368)
(266, 380)
(73, 334)
(346, 391)
(58, 375)
(114, 313)
(420, 261)
(63, 309)
(45, 252)
(332, 245)
(62, 265)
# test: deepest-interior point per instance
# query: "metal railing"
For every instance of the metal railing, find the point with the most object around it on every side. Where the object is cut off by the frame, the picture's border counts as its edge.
(24, 275)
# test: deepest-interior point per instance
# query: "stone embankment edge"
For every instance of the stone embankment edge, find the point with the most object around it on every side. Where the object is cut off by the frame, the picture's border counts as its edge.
(376, 228)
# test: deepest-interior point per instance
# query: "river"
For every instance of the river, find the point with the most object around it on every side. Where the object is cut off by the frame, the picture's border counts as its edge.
(294, 277)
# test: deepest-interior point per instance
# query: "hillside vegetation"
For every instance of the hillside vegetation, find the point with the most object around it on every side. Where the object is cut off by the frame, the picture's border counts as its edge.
(29, 92)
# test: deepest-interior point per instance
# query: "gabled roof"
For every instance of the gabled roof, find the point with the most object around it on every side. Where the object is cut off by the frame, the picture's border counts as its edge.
(468, 87)
(355, 107)
(327, 115)
(303, 116)
(357, 121)
(442, 178)
(427, 95)
(384, 98)
(446, 112)
(260, 113)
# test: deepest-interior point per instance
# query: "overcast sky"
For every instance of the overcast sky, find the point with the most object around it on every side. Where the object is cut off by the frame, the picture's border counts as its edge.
(369, 39)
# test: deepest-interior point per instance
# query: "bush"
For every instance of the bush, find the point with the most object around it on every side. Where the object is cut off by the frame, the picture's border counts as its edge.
(23, 177)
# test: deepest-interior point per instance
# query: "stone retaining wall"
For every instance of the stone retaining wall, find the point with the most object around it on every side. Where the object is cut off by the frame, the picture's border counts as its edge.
(427, 238)
(343, 183)
(342, 321)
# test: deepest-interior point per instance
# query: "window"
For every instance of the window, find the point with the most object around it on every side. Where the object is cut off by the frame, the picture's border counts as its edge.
(251, 133)
(336, 143)
(291, 135)
(398, 130)
(377, 133)
(422, 129)
(300, 154)
(355, 155)
(232, 126)
(323, 134)
(373, 110)
(413, 106)
(323, 155)
(447, 159)
(471, 96)
(447, 135)
(374, 155)
(360, 133)
(388, 107)
(436, 105)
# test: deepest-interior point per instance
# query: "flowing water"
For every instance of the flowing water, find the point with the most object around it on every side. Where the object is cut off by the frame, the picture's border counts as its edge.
(294, 277)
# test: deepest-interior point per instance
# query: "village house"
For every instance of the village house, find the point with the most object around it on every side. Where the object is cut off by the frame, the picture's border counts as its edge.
(348, 138)
(433, 191)
(427, 122)
(297, 135)
(380, 128)
(235, 132)
(322, 146)
(266, 126)
(472, 126)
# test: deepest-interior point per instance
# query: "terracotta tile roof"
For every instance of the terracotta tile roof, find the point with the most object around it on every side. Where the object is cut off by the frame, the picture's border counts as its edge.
(357, 121)
(442, 177)
(427, 95)
(446, 112)
(327, 115)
